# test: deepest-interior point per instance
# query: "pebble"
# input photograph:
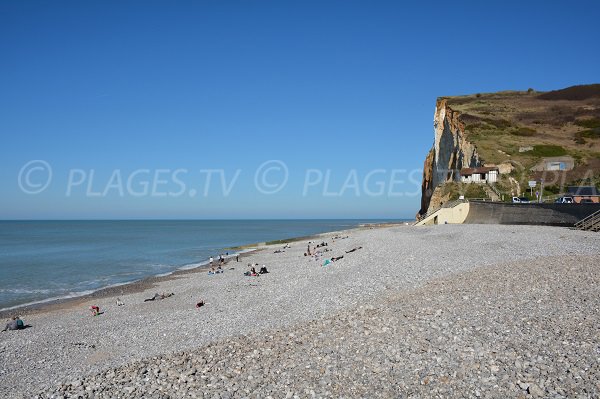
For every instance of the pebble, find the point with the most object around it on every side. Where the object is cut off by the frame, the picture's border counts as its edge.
(424, 339)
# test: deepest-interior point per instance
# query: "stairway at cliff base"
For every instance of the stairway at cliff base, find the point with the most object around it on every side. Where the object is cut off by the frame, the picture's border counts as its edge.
(492, 192)
(590, 223)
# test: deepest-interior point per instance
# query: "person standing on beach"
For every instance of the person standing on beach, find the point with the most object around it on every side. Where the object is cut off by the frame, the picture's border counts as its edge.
(210, 260)
(237, 258)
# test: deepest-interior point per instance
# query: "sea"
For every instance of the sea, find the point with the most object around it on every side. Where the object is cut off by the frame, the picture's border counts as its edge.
(42, 261)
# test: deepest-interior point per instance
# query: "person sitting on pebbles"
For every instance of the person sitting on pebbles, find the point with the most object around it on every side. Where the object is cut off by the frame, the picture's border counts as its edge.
(95, 310)
(15, 324)
(158, 296)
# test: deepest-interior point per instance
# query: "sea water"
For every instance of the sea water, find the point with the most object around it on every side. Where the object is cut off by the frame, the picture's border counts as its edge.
(44, 260)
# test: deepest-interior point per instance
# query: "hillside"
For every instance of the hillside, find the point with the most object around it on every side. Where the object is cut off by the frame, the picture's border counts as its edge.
(514, 130)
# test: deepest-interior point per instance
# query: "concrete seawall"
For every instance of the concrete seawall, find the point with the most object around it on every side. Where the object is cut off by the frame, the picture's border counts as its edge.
(532, 214)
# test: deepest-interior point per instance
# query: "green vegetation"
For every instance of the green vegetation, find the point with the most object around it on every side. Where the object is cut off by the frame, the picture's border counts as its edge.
(501, 124)
(554, 189)
(589, 123)
(580, 137)
(548, 150)
(473, 190)
(524, 132)
(469, 190)
(588, 181)
(591, 133)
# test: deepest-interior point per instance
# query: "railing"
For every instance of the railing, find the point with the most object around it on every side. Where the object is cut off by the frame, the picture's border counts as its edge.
(494, 189)
(591, 222)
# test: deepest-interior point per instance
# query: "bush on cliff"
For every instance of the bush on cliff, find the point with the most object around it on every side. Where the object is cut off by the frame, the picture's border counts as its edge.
(548, 150)
(524, 132)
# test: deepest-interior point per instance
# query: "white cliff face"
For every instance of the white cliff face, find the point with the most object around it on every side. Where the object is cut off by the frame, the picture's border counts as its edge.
(450, 153)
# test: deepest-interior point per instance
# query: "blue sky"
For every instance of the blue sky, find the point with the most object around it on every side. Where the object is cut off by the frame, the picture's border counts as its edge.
(111, 91)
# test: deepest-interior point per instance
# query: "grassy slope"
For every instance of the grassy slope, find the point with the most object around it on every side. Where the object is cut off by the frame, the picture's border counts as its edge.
(562, 122)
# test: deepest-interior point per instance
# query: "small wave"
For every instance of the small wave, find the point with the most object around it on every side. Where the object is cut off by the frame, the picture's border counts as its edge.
(57, 298)
(69, 295)
(21, 291)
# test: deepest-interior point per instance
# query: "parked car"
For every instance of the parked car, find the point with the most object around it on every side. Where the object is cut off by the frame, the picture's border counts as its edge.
(520, 200)
(564, 200)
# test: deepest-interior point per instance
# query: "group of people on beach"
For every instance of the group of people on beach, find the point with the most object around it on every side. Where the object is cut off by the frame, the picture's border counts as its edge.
(217, 270)
(17, 324)
(253, 273)
(320, 249)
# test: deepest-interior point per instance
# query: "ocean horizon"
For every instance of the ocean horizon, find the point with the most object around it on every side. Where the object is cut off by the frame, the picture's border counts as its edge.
(44, 260)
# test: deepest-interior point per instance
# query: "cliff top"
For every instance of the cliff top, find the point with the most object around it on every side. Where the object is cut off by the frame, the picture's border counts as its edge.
(555, 123)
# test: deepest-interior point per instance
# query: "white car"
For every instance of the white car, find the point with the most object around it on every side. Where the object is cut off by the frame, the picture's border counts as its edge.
(520, 200)
(564, 200)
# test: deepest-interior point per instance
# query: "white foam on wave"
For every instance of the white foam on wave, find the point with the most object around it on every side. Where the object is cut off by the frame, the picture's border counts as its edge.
(69, 295)
(76, 294)
(58, 298)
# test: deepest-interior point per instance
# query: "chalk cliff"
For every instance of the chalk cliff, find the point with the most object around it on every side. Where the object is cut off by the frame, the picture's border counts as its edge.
(515, 131)
(451, 152)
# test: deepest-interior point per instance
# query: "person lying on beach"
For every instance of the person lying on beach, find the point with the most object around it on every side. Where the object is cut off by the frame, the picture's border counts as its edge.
(219, 269)
(159, 296)
(337, 258)
(353, 249)
(279, 251)
(15, 324)
(200, 304)
(95, 310)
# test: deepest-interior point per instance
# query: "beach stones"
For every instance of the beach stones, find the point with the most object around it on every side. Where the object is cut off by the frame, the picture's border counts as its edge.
(519, 320)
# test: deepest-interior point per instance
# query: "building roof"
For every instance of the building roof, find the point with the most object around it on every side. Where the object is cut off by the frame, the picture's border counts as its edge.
(587, 191)
(470, 171)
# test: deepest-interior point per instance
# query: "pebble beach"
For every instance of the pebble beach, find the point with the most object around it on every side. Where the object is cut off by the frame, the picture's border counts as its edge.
(442, 311)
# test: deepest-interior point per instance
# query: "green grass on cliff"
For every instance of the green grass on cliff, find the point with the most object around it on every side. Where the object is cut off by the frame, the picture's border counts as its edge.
(565, 122)
(548, 150)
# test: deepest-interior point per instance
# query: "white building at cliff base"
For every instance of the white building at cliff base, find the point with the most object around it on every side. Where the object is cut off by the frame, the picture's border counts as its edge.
(487, 174)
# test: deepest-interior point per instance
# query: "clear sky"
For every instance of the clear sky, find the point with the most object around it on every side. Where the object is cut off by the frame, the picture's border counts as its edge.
(143, 109)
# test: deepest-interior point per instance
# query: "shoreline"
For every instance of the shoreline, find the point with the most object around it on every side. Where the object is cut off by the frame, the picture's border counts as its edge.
(114, 291)
(146, 283)
(67, 347)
